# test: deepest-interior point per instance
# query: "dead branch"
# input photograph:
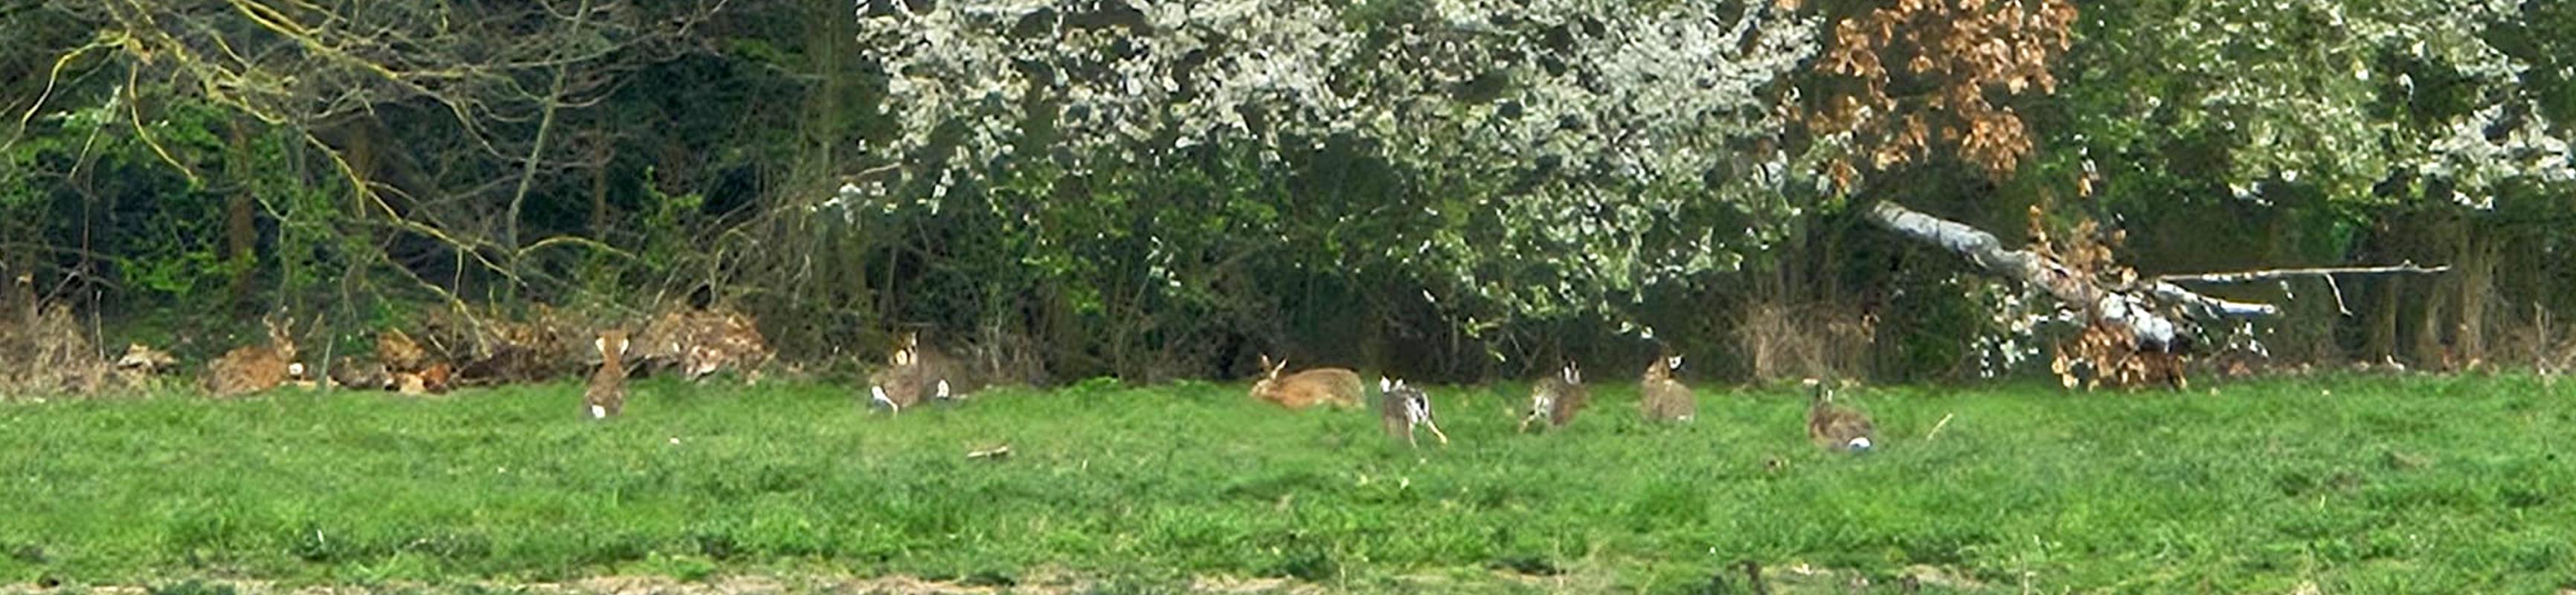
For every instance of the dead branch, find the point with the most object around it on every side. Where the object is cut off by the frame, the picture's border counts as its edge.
(2327, 273)
(2202, 306)
(2402, 268)
(1936, 427)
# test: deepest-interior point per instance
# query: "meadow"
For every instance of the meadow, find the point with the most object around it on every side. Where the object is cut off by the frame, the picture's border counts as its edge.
(2334, 485)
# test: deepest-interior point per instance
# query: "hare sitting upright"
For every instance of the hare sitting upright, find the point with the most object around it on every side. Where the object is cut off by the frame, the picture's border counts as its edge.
(607, 393)
(1663, 398)
(1557, 398)
(253, 368)
(1834, 427)
(1402, 407)
(1338, 387)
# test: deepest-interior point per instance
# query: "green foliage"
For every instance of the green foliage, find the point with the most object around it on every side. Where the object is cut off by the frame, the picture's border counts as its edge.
(1447, 188)
(89, 171)
(2357, 485)
(672, 225)
(2194, 100)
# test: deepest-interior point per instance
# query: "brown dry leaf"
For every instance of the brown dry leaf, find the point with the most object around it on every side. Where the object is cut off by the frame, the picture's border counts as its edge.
(399, 352)
(410, 384)
(702, 342)
(1969, 50)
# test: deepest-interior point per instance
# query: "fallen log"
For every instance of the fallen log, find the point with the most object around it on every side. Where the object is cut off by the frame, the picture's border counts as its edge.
(2130, 310)
(2141, 309)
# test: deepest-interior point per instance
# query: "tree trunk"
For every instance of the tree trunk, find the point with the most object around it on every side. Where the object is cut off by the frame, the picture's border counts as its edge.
(2066, 284)
(2382, 318)
(2432, 326)
(2428, 324)
(2477, 284)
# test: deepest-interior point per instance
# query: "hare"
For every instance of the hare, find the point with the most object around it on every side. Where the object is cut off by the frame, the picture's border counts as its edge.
(1833, 427)
(1557, 398)
(254, 368)
(1402, 407)
(898, 385)
(1338, 387)
(1661, 397)
(607, 393)
(914, 369)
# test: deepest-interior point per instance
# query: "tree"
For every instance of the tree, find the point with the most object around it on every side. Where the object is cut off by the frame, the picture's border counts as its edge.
(400, 137)
(1918, 79)
(1547, 160)
(2416, 131)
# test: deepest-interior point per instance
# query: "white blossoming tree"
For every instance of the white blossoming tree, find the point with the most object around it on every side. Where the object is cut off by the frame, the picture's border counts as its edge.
(1540, 160)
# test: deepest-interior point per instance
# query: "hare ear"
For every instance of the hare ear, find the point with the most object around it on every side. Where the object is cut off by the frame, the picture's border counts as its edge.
(1676, 363)
(1384, 384)
(600, 343)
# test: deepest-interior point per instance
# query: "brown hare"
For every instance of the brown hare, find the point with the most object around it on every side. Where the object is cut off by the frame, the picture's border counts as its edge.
(1836, 428)
(1661, 397)
(1557, 398)
(607, 393)
(1337, 387)
(898, 385)
(1401, 407)
(253, 368)
(915, 369)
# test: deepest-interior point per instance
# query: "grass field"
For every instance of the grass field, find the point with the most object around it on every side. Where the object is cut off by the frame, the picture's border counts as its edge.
(2354, 485)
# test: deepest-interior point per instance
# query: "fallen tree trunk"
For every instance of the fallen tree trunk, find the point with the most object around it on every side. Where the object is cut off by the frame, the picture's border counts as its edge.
(2128, 310)
(2135, 307)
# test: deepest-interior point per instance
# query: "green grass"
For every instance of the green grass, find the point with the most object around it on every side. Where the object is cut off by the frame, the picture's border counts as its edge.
(2381, 485)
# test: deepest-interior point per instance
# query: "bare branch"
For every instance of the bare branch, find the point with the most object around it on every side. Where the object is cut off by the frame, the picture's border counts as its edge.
(2403, 268)
(52, 76)
(2201, 306)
